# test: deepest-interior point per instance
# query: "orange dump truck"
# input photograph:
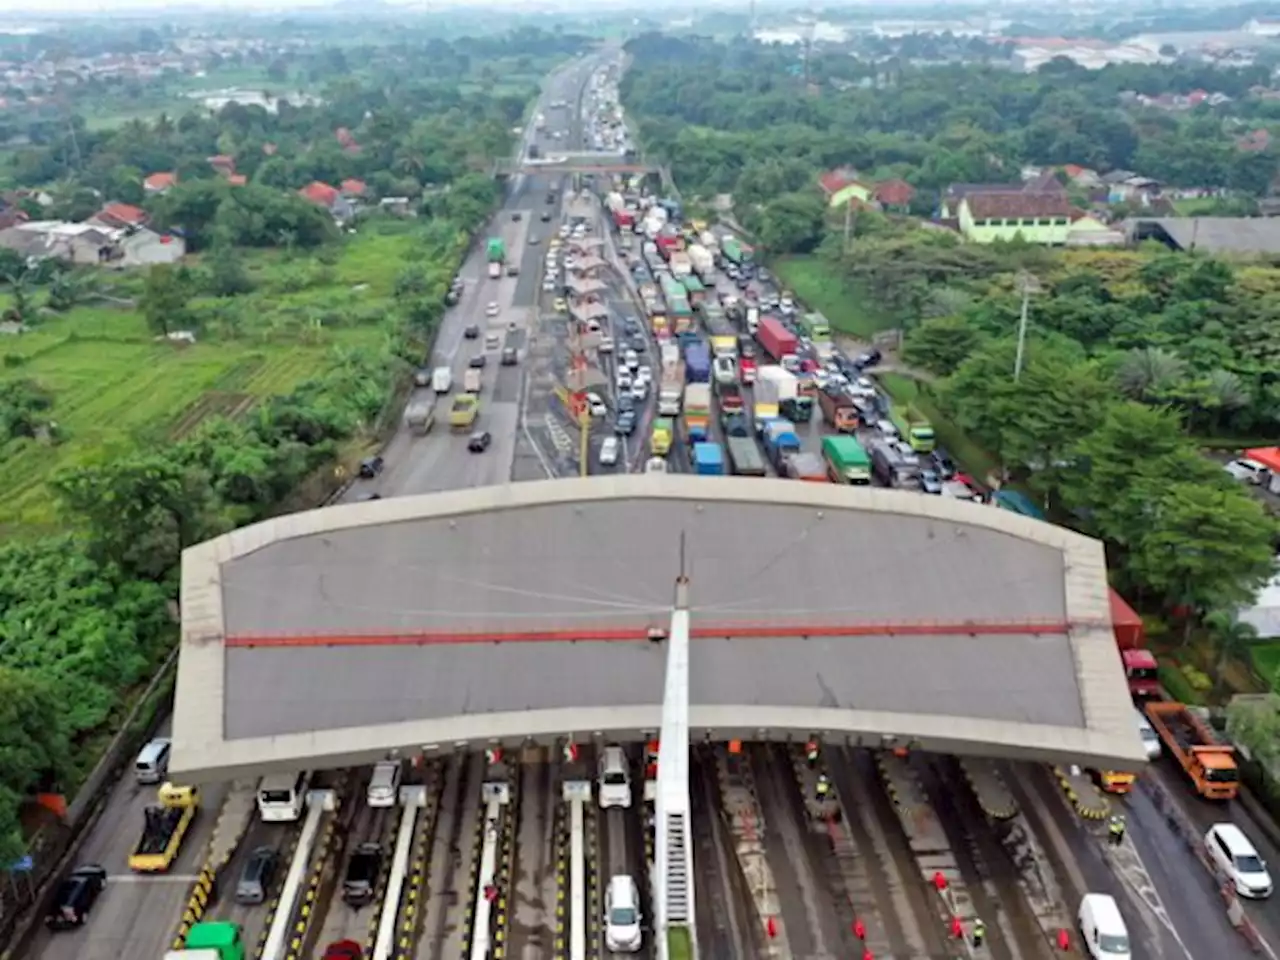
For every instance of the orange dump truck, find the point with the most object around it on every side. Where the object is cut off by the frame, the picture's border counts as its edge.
(1210, 765)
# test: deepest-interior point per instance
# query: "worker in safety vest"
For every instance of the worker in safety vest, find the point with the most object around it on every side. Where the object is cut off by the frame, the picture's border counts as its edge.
(1116, 830)
(823, 788)
(979, 932)
(811, 753)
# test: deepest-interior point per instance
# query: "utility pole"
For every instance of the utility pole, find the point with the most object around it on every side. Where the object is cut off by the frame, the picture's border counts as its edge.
(1028, 285)
(848, 223)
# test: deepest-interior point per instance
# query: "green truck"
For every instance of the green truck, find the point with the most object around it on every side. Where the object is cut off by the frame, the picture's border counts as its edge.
(847, 461)
(914, 427)
(214, 940)
(735, 252)
(815, 326)
(496, 253)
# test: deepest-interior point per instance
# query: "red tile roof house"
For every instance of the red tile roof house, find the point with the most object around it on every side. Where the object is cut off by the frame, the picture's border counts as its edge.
(331, 198)
(223, 164)
(894, 194)
(120, 216)
(159, 183)
(353, 188)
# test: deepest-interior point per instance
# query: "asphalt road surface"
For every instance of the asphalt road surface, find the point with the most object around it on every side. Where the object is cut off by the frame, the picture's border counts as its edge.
(136, 916)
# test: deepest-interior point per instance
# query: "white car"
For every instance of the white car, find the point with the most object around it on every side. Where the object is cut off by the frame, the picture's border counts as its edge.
(609, 452)
(639, 390)
(549, 285)
(596, 405)
(622, 927)
(614, 781)
(1235, 858)
(491, 310)
(384, 785)
(564, 230)
(632, 360)
(1247, 471)
(645, 374)
(492, 341)
(624, 380)
(655, 465)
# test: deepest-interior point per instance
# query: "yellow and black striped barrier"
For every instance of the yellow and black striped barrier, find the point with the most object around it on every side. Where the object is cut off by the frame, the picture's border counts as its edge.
(503, 878)
(1083, 795)
(591, 851)
(988, 787)
(311, 897)
(202, 891)
(561, 830)
(473, 879)
(411, 908)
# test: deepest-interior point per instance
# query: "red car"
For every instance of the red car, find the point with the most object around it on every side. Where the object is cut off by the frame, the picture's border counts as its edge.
(344, 950)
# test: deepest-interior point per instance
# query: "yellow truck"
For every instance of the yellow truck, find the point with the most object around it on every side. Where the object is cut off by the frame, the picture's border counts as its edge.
(165, 825)
(462, 414)
(660, 442)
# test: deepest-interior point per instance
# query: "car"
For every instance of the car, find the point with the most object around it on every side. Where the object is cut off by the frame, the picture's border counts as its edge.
(596, 405)
(655, 465)
(1147, 734)
(561, 305)
(639, 344)
(491, 310)
(1102, 928)
(517, 216)
(631, 360)
(370, 467)
(1247, 471)
(75, 897)
(623, 932)
(513, 270)
(1237, 860)
(492, 341)
(533, 240)
(645, 373)
(626, 403)
(472, 332)
(565, 230)
(609, 452)
(510, 356)
(614, 778)
(384, 784)
(477, 362)
(549, 285)
(344, 950)
(930, 482)
(361, 878)
(640, 389)
(626, 423)
(255, 879)
(546, 217)
(624, 380)
(943, 463)
(479, 441)
(870, 358)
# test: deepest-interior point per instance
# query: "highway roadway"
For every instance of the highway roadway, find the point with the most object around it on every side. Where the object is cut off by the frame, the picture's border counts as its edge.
(137, 916)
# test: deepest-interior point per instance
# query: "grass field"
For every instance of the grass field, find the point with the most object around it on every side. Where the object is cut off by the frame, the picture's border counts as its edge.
(814, 282)
(116, 388)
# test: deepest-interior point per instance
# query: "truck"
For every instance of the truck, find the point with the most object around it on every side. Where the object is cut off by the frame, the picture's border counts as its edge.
(838, 410)
(697, 412)
(496, 254)
(708, 460)
(1210, 765)
(660, 439)
(724, 347)
(777, 341)
(730, 396)
(914, 427)
(471, 380)
(210, 940)
(780, 443)
(704, 264)
(807, 466)
(1140, 668)
(671, 389)
(815, 326)
(680, 264)
(697, 362)
(847, 461)
(783, 387)
(420, 416)
(441, 379)
(744, 457)
(462, 414)
(736, 423)
(734, 252)
(165, 825)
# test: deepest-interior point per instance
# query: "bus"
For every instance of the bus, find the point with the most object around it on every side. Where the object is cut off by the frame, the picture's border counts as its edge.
(283, 796)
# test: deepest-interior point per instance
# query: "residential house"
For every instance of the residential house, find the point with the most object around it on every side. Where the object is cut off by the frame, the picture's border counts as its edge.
(120, 216)
(1125, 186)
(894, 194)
(223, 164)
(145, 248)
(352, 188)
(399, 206)
(80, 243)
(1082, 176)
(843, 185)
(1036, 217)
(1038, 181)
(159, 183)
(331, 198)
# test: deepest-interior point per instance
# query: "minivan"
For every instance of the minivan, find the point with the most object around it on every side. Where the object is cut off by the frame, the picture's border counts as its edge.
(1102, 928)
(615, 778)
(622, 933)
(255, 879)
(75, 897)
(384, 784)
(152, 765)
(1237, 860)
(1147, 733)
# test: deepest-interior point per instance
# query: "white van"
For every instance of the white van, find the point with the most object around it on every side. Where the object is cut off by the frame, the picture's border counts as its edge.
(622, 932)
(384, 784)
(1238, 861)
(614, 787)
(1102, 928)
(442, 380)
(472, 380)
(152, 765)
(1147, 733)
(609, 452)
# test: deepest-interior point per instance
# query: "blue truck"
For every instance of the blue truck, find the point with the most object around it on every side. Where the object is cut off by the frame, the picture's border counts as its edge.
(697, 363)
(780, 442)
(708, 459)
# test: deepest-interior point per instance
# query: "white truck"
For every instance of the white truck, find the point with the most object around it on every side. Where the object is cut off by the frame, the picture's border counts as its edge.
(709, 240)
(671, 390)
(784, 384)
(471, 380)
(703, 262)
(680, 264)
(753, 320)
(442, 380)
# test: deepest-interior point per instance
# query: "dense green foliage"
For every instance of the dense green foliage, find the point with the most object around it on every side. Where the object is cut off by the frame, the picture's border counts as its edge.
(736, 119)
(84, 618)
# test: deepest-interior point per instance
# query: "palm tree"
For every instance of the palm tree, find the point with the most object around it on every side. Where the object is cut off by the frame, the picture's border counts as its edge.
(1225, 392)
(1150, 374)
(20, 288)
(1232, 638)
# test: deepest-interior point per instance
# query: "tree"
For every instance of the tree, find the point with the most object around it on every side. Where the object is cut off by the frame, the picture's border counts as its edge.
(164, 298)
(1152, 375)
(1231, 638)
(941, 344)
(228, 276)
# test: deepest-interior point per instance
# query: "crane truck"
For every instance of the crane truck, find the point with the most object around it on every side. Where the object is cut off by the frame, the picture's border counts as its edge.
(165, 825)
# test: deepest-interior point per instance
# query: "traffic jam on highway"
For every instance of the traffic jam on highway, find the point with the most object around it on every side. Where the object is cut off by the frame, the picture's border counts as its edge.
(800, 849)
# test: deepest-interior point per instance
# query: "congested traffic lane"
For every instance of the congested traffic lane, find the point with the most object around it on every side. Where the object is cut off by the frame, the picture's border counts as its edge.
(137, 914)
